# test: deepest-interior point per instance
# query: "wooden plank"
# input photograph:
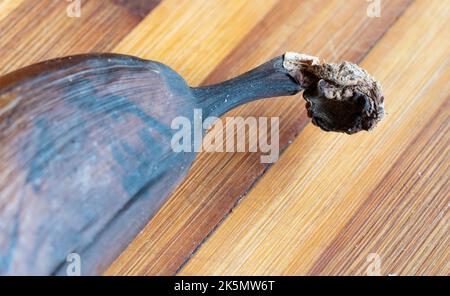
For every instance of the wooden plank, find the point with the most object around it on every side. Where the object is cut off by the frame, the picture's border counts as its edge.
(169, 36)
(7, 6)
(331, 200)
(139, 7)
(218, 181)
(233, 11)
(33, 31)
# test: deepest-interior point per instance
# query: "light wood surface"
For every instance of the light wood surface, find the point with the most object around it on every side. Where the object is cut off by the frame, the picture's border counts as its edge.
(334, 199)
(330, 200)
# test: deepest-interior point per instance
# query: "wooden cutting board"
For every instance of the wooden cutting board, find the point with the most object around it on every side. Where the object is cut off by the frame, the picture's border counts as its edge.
(371, 203)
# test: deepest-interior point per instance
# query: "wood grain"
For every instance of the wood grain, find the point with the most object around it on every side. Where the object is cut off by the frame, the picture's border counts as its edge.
(7, 6)
(332, 200)
(194, 36)
(15, 25)
(218, 181)
(32, 31)
(139, 7)
(94, 14)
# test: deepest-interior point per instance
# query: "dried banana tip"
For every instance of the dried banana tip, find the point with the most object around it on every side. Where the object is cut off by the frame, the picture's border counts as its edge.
(340, 97)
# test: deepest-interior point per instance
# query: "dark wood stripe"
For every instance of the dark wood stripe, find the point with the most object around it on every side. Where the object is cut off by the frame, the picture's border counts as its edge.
(138, 7)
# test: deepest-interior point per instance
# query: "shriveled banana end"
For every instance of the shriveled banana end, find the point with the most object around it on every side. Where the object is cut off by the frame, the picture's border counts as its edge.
(340, 97)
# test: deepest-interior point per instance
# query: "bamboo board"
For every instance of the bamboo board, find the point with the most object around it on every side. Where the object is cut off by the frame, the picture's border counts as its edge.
(331, 200)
